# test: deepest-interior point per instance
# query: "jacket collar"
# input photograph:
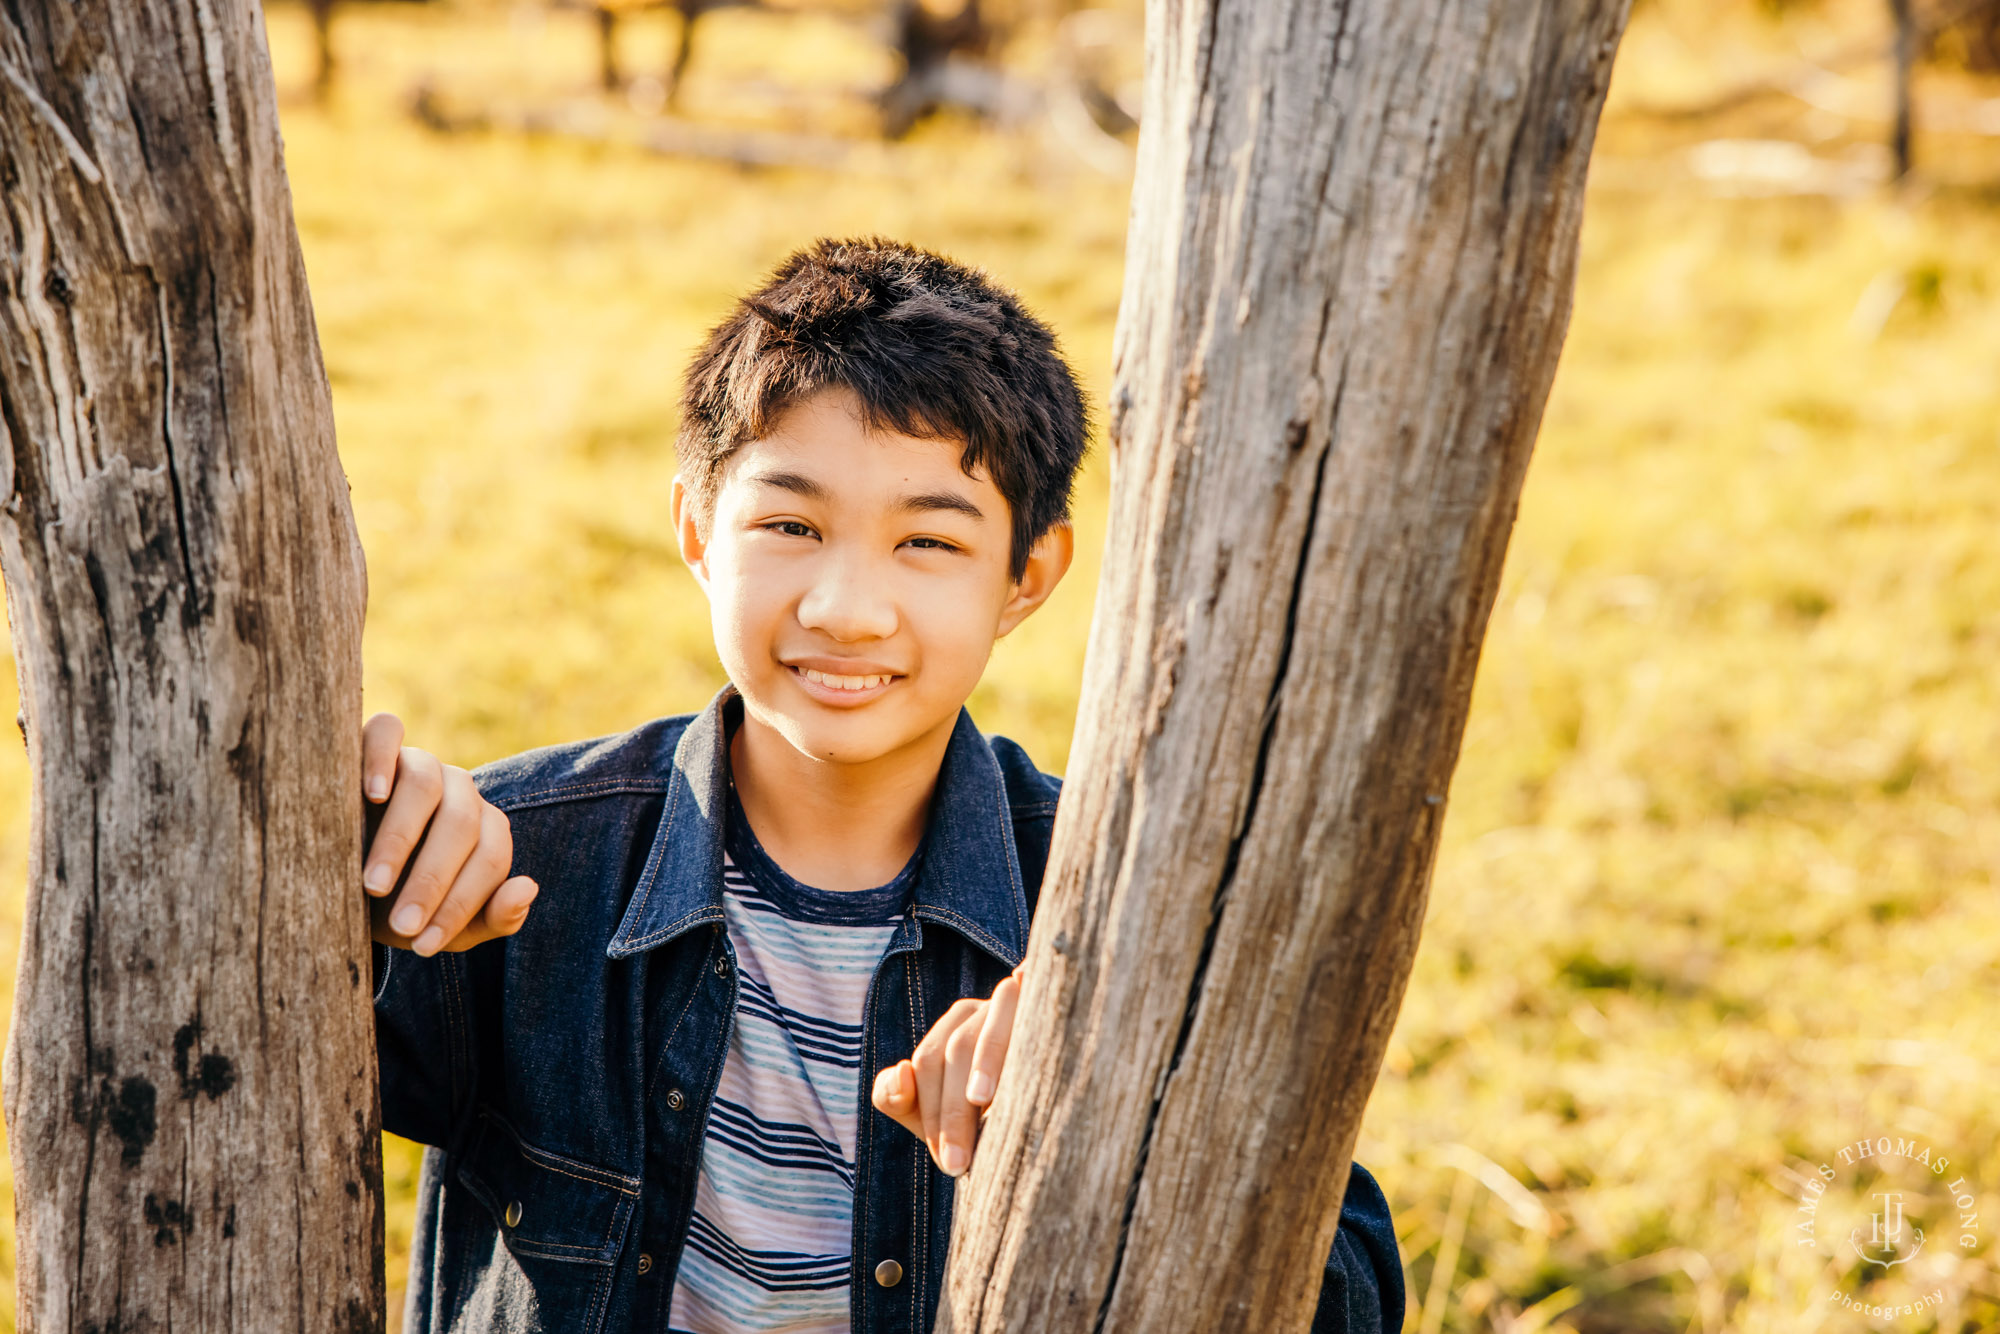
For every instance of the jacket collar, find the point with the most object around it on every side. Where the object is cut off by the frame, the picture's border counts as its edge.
(970, 880)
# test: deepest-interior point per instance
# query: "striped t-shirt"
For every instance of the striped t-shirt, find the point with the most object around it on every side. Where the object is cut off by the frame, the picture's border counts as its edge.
(770, 1245)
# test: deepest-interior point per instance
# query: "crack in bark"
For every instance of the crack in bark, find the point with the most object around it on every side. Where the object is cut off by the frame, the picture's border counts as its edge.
(192, 603)
(1267, 730)
(221, 403)
(89, 1056)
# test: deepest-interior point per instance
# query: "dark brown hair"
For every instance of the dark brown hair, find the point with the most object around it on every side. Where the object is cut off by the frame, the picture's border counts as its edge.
(931, 348)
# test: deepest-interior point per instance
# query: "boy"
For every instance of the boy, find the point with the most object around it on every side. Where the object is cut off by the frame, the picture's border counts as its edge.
(645, 1098)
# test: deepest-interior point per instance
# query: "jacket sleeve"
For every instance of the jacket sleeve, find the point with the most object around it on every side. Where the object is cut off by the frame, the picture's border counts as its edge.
(1362, 1292)
(424, 1042)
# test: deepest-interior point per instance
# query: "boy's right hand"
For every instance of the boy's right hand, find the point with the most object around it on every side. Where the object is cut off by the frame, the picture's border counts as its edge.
(457, 892)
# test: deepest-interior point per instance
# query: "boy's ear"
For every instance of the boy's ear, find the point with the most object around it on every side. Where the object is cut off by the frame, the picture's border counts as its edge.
(687, 531)
(1048, 561)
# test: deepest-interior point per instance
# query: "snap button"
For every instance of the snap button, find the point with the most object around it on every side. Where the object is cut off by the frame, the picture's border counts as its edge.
(645, 1263)
(512, 1215)
(722, 965)
(675, 1100)
(888, 1273)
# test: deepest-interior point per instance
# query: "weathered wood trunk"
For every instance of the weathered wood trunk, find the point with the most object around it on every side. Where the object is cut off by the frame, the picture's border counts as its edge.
(1349, 274)
(190, 1075)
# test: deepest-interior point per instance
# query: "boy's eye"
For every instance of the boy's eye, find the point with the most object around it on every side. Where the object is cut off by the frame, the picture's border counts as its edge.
(931, 544)
(790, 528)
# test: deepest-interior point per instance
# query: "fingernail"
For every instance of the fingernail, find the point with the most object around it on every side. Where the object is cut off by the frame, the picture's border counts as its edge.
(377, 879)
(378, 788)
(429, 942)
(979, 1088)
(406, 919)
(954, 1160)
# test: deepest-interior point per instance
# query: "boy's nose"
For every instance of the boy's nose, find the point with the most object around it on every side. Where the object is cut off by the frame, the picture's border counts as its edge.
(849, 601)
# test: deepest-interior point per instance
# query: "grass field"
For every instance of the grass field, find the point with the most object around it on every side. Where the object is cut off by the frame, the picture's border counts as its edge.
(1717, 892)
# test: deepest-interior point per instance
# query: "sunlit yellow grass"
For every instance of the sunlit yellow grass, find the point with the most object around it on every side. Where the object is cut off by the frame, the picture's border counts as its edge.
(1716, 893)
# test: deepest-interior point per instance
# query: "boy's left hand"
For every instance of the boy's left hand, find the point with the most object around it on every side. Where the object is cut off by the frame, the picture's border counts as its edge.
(942, 1091)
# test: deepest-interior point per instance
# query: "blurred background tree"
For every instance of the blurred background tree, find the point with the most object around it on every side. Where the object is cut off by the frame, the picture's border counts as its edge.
(1716, 891)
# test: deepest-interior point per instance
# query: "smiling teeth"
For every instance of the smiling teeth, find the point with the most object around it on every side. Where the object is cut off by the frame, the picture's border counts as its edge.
(843, 682)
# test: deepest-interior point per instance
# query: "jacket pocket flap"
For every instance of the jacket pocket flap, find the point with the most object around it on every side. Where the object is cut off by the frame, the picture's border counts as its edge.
(544, 1204)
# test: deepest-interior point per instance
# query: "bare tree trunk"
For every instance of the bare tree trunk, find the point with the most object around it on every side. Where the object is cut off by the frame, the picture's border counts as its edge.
(323, 62)
(1348, 279)
(190, 1078)
(609, 76)
(689, 11)
(1905, 55)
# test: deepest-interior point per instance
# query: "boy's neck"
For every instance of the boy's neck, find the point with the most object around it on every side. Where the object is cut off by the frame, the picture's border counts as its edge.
(834, 826)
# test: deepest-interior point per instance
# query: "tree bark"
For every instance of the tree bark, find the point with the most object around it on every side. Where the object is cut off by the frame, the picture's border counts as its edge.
(190, 1079)
(1903, 55)
(1349, 274)
(323, 54)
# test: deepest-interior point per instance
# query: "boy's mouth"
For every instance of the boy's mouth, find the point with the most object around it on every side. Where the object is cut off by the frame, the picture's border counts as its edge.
(841, 688)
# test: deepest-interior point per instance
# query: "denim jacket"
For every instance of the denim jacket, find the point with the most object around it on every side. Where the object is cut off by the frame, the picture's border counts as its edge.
(562, 1076)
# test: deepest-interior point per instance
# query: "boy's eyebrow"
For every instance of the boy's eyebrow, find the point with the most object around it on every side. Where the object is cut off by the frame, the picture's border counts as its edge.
(796, 482)
(940, 500)
(917, 503)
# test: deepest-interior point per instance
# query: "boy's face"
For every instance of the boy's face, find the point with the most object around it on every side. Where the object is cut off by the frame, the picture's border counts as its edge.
(857, 579)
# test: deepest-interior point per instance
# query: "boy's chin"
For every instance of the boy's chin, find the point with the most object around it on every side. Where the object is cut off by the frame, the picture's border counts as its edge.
(849, 736)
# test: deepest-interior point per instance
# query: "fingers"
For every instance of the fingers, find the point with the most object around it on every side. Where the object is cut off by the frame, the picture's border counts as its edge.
(958, 1120)
(895, 1096)
(994, 1034)
(381, 740)
(453, 835)
(932, 1061)
(505, 913)
(482, 872)
(418, 787)
(942, 1091)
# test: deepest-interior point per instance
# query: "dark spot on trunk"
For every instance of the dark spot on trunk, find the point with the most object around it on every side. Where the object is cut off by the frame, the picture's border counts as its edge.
(214, 1074)
(152, 613)
(56, 285)
(243, 761)
(249, 625)
(353, 1190)
(356, 1318)
(170, 1221)
(353, 973)
(229, 1222)
(100, 590)
(130, 1115)
(217, 1077)
(184, 1039)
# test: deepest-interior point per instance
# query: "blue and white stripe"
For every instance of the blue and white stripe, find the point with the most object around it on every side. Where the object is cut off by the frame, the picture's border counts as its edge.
(769, 1248)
